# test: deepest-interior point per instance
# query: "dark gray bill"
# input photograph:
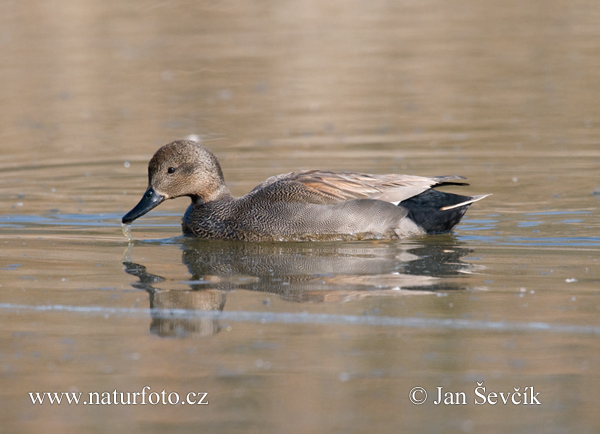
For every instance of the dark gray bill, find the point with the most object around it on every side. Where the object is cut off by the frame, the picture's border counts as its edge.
(150, 200)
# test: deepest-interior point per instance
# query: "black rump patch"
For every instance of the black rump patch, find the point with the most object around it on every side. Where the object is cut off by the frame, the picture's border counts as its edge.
(426, 211)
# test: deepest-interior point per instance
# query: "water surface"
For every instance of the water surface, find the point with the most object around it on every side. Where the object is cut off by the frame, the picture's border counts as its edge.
(300, 337)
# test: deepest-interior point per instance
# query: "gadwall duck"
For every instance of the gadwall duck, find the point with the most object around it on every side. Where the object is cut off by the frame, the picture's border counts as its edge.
(305, 205)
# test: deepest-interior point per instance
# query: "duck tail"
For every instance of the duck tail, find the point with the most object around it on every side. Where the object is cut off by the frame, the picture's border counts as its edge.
(438, 212)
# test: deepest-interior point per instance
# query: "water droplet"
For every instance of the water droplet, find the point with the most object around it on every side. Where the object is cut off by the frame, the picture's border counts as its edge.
(127, 231)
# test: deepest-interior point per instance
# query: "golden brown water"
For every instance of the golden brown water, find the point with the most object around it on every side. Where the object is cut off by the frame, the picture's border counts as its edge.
(300, 337)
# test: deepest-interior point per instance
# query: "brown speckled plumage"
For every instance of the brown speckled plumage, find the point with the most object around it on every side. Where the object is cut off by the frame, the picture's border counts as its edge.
(306, 205)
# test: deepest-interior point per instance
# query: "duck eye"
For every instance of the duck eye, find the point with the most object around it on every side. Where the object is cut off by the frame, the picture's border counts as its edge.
(171, 170)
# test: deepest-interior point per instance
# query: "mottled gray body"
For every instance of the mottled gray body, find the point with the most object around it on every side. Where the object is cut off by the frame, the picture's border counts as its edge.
(251, 219)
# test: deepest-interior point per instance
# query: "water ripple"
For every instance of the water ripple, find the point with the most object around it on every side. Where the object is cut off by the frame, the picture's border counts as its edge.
(311, 318)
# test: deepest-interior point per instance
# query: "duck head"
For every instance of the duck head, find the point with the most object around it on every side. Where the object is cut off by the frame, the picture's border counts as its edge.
(180, 168)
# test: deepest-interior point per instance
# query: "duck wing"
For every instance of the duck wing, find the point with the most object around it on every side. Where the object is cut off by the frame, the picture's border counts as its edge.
(320, 186)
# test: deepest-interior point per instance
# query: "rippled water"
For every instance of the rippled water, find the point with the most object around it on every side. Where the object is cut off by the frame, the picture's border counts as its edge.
(301, 337)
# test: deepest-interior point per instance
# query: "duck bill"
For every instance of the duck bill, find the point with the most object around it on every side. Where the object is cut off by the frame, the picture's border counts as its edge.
(150, 200)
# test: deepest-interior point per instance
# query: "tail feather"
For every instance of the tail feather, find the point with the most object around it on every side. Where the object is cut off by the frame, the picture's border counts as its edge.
(465, 203)
(438, 212)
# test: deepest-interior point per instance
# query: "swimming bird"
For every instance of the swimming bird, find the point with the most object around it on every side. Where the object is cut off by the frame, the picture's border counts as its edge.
(299, 206)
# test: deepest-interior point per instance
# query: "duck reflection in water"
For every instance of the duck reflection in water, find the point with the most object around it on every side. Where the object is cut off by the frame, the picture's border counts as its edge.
(296, 272)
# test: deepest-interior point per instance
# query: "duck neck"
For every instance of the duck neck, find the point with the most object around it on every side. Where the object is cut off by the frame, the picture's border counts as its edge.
(221, 194)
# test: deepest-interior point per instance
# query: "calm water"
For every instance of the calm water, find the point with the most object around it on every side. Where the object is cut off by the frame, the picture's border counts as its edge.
(300, 337)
